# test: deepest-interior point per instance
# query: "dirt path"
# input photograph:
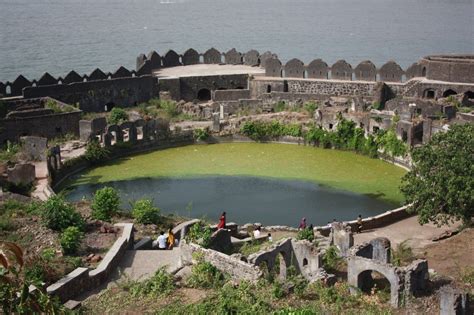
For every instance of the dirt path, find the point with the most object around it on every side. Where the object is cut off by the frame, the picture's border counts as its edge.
(417, 236)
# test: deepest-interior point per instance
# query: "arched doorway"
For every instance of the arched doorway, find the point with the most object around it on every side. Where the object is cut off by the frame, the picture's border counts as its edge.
(449, 92)
(469, 95)
(423, 72)
(279, 267)
(108, 107)
(429, 93)
(204, 95)
(371, 281)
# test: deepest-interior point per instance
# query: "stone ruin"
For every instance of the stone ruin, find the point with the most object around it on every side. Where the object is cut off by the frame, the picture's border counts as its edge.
(375, 256)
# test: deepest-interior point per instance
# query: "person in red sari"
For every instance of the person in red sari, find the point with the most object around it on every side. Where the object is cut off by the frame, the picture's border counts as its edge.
(221, 224)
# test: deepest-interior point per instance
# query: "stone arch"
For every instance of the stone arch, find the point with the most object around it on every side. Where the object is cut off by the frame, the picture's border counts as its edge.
(341, 70)
(449, 92)
(233, 57)
(294, 68)
(469, 94)
(154, 60)
(269, 88)
(317, 69)
(204, 95)
(366, 71)
(423, 72)
(47, 79)
(212, 56)
(305, 262)
(190, 57)
(129, 129)
(72, 77)
(273, 68)
(391, 72)
(140, 126)
(171, 59)
(114, 135)
(366, 281)
(8, 89)
(251, 58)
(97, 74)
(359, 271)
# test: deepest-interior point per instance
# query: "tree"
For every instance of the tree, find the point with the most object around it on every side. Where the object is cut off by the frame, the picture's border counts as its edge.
(440, 186)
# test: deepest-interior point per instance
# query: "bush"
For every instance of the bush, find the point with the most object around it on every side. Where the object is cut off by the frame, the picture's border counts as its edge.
(95, 153)
(258, 130)
(205, 275)
(105, 204)
(310, 107)
(306, 234)
(57, 214)
(160, 284)
(71, 240)
(144, 212)
(118, 115)
(280, 106)
(170, 108)
(199, 234)
(201, 134)
(331, 258)
(402, 255)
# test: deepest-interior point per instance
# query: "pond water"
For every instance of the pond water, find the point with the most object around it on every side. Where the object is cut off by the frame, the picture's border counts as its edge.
(244, 198)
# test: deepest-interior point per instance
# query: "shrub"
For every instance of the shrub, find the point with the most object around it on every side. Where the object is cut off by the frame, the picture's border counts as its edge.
(105, 204)
(71, 240)
(170, 108)
(118, 115)
(306, 234)
(280, 106)
(144, 212)
(160, 284)
(310, 107)
(402, 254)
(377, 106)
(199, 234)
(57, 214)
(95, 153)
(331, 258)
(278, 291)
(205, 275)
(201, 134)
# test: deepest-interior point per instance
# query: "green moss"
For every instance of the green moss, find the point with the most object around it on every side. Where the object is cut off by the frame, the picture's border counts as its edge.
(333, 168)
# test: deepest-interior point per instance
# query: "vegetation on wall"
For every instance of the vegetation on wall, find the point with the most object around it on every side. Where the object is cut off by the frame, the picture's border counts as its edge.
(260, 130)
(118, 115)
(440, 186)
(199, 234)
(201, 134)
(56, 108)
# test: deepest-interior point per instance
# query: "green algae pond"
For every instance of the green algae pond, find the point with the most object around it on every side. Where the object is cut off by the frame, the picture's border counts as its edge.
(268, 183)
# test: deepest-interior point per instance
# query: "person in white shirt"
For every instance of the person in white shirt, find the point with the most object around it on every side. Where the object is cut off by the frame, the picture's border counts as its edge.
(256, 232)
(161, 241)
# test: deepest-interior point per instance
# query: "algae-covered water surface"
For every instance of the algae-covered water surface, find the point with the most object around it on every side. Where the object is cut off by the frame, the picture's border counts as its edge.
(265, 179)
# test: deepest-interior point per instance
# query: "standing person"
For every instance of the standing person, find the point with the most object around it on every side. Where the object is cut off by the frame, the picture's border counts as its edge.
(270, 239)
(170, 239)
(221, 224)
(359, 224)
(302, 225)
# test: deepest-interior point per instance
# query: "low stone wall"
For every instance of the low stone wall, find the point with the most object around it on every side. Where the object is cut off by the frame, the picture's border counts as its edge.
(83, 279)
(237, 269)
(230, 95)
(381, 220)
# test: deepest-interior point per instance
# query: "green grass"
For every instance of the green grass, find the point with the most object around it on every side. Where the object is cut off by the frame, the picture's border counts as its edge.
(338, 169)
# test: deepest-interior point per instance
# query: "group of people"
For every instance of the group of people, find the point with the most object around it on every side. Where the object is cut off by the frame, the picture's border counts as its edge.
(164, 242)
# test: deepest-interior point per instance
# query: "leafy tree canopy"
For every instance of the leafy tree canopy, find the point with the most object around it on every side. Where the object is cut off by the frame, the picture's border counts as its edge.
(440, 186)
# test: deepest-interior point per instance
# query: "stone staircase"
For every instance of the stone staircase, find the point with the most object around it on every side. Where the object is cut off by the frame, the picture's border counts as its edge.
(411, 87)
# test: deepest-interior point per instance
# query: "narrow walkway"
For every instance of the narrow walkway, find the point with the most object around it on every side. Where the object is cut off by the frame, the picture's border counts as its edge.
(138, 265)
(142, 264)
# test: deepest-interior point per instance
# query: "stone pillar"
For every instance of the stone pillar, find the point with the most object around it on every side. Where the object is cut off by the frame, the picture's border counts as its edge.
(341, 236)
(216, 124)
(107, 140)
(453, 302)
(132, 135)
(381, 250)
